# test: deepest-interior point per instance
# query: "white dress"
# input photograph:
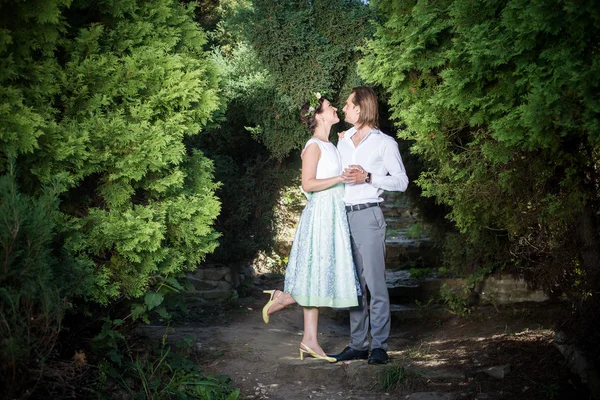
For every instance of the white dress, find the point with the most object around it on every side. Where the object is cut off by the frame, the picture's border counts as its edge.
(320, 271)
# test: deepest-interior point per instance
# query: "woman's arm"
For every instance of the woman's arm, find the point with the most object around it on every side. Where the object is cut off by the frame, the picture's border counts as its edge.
(310, 159)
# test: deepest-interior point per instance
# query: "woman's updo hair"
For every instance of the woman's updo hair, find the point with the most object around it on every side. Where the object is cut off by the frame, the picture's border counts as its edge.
(310, 119)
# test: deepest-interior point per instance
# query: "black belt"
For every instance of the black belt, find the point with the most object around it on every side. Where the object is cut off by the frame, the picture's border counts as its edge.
(358, 207)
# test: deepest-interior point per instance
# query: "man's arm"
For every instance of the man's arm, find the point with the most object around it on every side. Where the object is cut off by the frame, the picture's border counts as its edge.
(397, 180)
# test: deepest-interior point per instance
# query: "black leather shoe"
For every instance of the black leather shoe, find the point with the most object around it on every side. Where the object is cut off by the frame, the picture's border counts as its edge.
(350, 354)
(378, 356)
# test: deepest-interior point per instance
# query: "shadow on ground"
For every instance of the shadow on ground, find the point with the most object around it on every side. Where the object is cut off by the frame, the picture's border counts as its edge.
(494, 353)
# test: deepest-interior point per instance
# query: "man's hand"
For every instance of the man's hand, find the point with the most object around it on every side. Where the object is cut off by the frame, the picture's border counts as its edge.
(354, 174)
(341, 134)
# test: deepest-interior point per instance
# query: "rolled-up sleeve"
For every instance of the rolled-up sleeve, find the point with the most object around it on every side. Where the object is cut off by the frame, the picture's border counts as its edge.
(395, 179)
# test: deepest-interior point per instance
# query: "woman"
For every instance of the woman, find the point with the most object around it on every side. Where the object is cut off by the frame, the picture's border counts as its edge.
(320, 271)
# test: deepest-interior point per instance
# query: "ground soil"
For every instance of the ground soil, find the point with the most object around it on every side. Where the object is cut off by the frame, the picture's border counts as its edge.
(432, 351)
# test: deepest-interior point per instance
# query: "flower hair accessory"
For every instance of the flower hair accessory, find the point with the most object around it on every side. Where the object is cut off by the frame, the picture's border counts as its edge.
(313, 102)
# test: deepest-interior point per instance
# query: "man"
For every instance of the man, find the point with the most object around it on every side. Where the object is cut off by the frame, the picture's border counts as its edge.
(372, 164)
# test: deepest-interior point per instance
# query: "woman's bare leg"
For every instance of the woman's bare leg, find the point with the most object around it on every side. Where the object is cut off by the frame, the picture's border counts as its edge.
(311, 324)
(281, 302)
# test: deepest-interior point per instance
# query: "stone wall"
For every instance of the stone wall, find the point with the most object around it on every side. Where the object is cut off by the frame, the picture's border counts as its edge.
(214, 284)
(506, 289)
(503, 289)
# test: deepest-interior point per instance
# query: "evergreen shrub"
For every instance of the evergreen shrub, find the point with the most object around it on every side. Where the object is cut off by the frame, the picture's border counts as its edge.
(501, 100)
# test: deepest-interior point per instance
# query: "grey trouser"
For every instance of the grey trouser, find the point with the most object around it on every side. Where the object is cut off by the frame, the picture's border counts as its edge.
(367, 228)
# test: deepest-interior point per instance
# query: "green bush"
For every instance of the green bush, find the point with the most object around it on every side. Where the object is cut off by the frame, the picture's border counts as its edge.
(510, 140)
(96, 99)
(500, 100)
(31, 304)
(302, 47)
(131, 82)
(157, 372)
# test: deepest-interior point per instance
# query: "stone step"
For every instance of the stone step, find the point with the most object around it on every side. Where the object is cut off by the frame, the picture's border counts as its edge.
(411, 253)
(398, 223)
(422, 291)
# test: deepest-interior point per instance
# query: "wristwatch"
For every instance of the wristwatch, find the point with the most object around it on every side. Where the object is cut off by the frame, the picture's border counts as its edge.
(368, 178)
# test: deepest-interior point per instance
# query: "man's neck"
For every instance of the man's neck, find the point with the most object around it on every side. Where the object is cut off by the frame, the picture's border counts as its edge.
(361, 132)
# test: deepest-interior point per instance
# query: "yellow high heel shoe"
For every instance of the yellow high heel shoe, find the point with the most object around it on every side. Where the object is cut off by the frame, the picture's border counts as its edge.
(310, 352)
(269, 304)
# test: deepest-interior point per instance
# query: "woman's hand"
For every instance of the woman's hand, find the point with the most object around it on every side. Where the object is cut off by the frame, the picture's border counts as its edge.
(341, 134)
(354, 174)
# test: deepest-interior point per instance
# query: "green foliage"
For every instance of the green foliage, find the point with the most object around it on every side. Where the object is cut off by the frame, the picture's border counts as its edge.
(550, 391)
(456, 300)
(420, 273)
(500, 99)
(159, 372)
(127, 89)
(162, 302)
(415, 231)
(31, 307)
(390, 377)
(150, 206)
(96, 99)
(302, 47)
(395, 375)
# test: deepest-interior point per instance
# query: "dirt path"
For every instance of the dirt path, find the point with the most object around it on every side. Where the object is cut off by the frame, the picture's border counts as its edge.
(442, 355)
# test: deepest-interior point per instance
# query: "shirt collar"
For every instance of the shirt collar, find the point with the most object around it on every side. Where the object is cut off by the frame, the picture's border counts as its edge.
(350, 132)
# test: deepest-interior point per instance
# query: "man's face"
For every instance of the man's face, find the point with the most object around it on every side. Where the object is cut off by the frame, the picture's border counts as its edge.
(351, 111)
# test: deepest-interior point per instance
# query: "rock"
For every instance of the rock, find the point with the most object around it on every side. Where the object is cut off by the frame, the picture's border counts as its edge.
(247, 271)
(221, 285)
(200, 284)
(212, 273)
(399, 278)
(498, 372)
(579, 364)
(360, 375)
(216, 294)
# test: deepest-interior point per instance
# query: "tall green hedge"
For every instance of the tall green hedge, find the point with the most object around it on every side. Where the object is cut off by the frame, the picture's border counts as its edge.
(96, 99)
(501, 99)
(304, 47)
(102, 114)
(255, 145)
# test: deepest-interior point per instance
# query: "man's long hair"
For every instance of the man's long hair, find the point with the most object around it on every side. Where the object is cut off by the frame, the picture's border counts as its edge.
(366, 99)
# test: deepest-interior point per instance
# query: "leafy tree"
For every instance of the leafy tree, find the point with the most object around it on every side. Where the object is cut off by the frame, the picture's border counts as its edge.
(100, 197)
(501, 99)
(258, 123)
(304, 47)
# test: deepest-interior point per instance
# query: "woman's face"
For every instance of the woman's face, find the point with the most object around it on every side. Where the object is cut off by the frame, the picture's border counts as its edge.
(328, 113)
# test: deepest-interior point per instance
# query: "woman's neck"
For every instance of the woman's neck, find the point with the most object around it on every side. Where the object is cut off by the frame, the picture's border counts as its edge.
(322, 133)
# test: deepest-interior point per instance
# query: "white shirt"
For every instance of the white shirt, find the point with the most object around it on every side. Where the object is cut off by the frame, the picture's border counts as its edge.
(378, 154)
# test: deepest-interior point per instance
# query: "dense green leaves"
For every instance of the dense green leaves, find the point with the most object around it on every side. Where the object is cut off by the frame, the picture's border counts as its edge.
(303, 47)
(109, 132)
(95, 102)
(31, 307)
(501, 99)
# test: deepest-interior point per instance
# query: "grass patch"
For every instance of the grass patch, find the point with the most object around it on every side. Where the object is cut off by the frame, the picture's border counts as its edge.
(395, 376)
